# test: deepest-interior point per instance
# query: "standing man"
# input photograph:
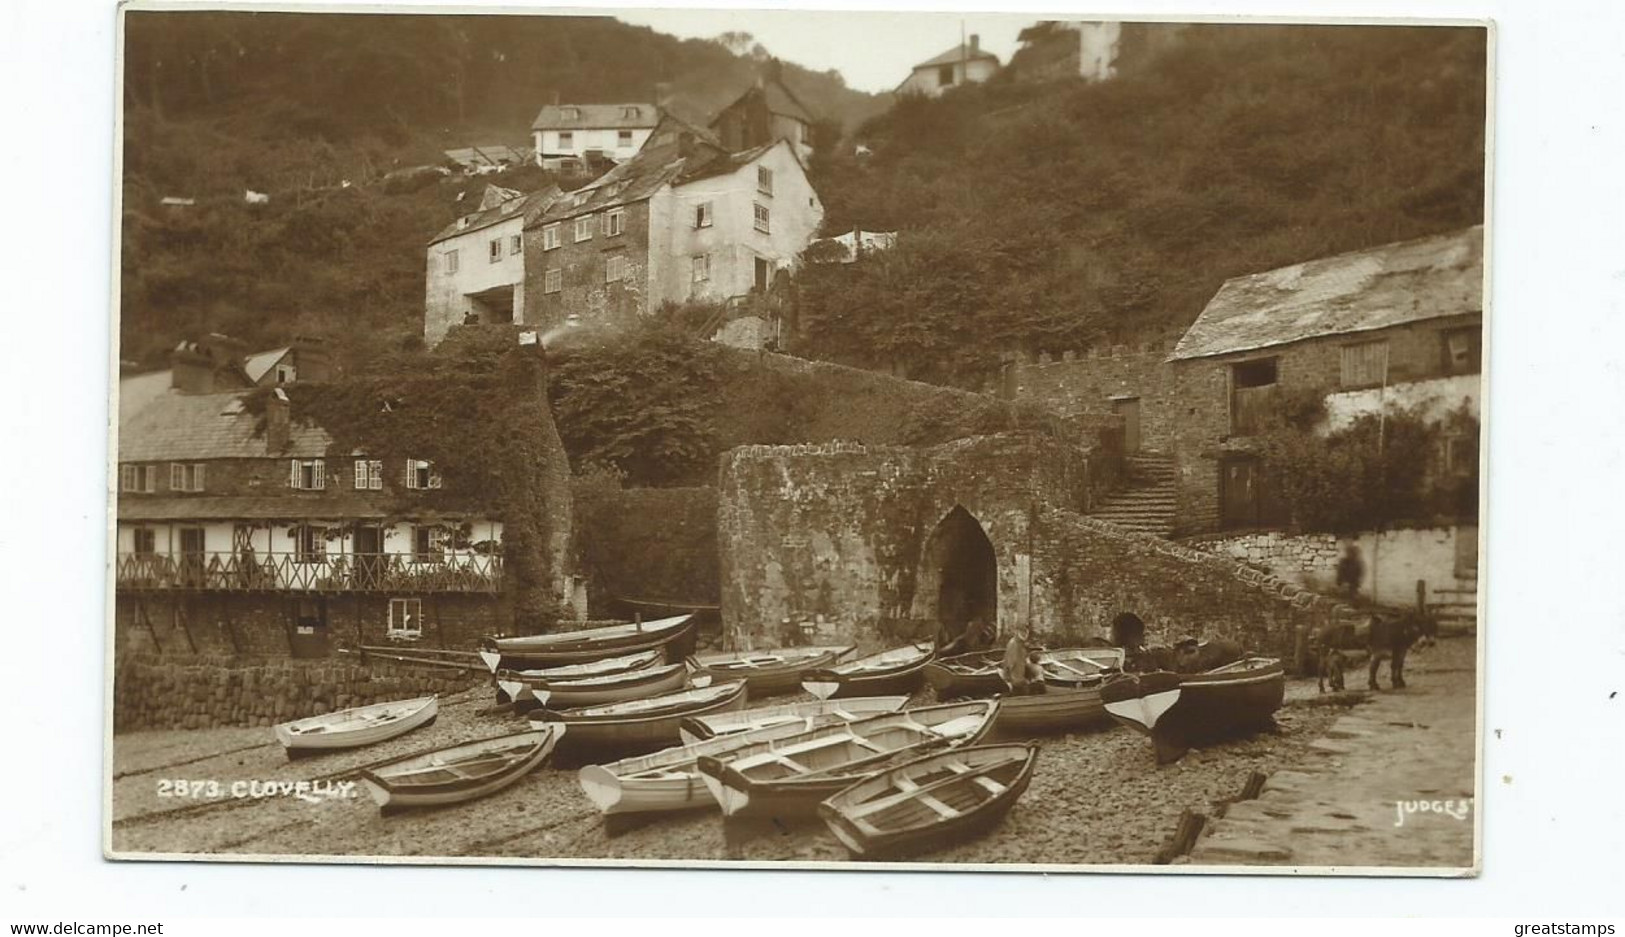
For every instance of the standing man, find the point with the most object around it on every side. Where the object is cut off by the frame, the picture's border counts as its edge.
(1350, 571)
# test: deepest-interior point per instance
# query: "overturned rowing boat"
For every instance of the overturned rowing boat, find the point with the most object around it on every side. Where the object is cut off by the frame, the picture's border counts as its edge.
(1179, 711)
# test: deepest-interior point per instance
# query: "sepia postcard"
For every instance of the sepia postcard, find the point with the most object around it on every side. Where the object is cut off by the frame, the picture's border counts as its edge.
(793, 439)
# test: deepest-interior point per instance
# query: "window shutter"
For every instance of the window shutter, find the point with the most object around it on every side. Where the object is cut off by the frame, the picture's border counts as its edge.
(293, 476)
(434, 477)
(151, 479)
(320, 476)
(177, 477)
(126, 477)
(409, 478)
(197, 477)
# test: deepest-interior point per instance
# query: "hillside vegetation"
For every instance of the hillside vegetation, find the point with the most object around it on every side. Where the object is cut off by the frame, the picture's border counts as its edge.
(293, 105)
(1054, 216)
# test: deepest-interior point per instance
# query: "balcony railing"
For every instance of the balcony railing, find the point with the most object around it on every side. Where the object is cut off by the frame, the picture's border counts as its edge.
(294, 572)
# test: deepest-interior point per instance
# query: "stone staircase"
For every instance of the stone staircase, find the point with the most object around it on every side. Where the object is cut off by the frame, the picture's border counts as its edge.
(1148, 501)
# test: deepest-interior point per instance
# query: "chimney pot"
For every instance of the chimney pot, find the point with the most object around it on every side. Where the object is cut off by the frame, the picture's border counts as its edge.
(975, 42)
(276, 422)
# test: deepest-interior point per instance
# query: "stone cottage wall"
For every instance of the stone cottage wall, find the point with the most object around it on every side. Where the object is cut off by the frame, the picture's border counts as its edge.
(1395, 560)
(204, 692)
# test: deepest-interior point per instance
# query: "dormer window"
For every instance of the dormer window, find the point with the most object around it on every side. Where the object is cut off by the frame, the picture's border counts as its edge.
(307, 475)
(421, 475)
(629, 113)
(572, 113)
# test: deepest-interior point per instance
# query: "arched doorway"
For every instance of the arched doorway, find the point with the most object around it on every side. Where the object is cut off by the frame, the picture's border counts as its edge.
(960, 576)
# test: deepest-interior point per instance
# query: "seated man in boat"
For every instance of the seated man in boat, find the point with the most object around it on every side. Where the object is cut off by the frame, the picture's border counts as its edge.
(1021, 666)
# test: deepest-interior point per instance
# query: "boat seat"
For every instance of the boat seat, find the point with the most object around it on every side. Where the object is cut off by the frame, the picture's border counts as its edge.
(986, 783)
(942, 809)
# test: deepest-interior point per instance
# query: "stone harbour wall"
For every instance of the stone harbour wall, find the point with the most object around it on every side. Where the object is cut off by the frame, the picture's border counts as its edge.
(204, 692)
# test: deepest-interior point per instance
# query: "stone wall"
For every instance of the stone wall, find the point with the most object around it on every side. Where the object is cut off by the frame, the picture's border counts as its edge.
(1089, 384)
(841, 535)
(248, 625)
(1395, 560)
(204, 692)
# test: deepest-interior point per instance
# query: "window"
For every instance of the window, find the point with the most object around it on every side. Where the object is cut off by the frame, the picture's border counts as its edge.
(309, 544)
(369, 474)
(146, 541)
(567, 140)
(1460, 455)
(1461, 351)
(763, 219)
(406, 618)
(702, 215)
(1261, 373)
(308, 475)
(451, 261)
(550, 237)
(185, 476)
(495, 250)
(614, 223)
(629, 112)
(428, 544)
(421, 475)
(615, 268)
(142, 478)
(764, 180)
(623, 139)
(553, 281)
(584, 228)
(1365, 364)
(516, 244)
(285, 374)
(702, 267)
(945, 75)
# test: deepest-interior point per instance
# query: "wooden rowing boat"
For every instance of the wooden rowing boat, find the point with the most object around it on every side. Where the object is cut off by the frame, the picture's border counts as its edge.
(669, 780)
(966, 675)
(981, 673)
(636, 726)
(930, 803)
(767, 672)
(461, 772)
(674, 636)
(808, 715)
(786, 778)
(1057, 709)
(1179, 711)
(592, 691)
(598, 668)
(899, 670)
(350, 728)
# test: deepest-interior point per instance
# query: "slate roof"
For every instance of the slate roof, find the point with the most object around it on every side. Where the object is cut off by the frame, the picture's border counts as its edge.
(955, 55)
(659, 162)
(729, 162)
(1376, 288)
(530, 206)
(182, 427)
(596, 117)
(139, 390)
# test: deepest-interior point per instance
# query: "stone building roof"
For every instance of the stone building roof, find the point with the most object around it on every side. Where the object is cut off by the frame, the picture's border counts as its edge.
(660, 161)
(955, 55)
(1375, 288)
(182, 427)
(596, 117)
(530, 206)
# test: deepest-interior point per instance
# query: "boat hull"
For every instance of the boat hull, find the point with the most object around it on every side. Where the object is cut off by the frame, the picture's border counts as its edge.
(949, 678)
(771, 680)
(797, 797)
(807, 716)
(299, 743)
(1012, 771)
(637, 684)
(906, 678)
(673, 637)
(513, 686)
(391, 796)
(1180, 712)
(633, 734)
(1056, 710)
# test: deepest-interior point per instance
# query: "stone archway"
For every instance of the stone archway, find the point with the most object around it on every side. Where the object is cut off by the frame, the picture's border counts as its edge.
(959, 578)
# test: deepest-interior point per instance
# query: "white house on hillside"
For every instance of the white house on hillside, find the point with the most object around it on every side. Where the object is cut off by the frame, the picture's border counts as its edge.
(475, 267)
(963, 64)
(615, 131)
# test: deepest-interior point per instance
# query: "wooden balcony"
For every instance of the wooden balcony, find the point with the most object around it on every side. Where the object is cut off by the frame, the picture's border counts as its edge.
(394, 573)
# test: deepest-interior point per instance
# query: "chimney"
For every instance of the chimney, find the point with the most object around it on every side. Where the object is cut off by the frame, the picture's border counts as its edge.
(226, 351)
(192, 369)
(276, 422)
(975, 43)
(311, 359)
